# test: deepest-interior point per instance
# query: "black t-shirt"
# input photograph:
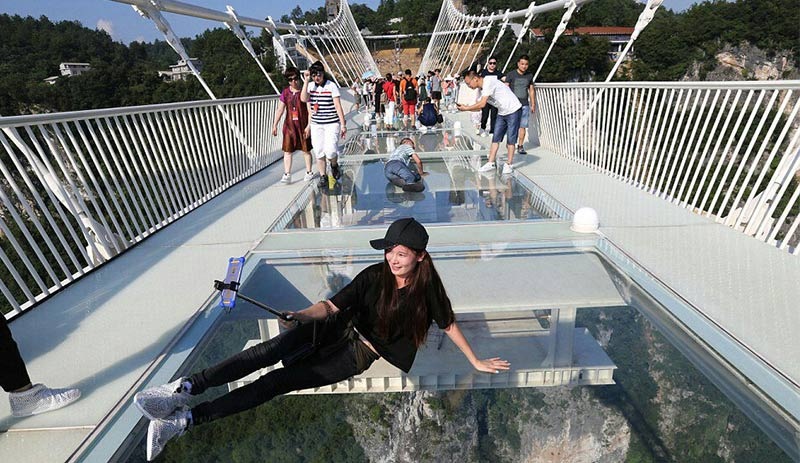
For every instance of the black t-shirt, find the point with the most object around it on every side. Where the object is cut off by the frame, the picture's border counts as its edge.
(359, 300)
(485, 72)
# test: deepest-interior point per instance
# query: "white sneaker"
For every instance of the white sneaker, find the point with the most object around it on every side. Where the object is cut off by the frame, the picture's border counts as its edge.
(40, 399)
(287, 178)
(159, 432)
(508, 169)
(158, 402)
(489, 166)
(481, 133)
(309, 176)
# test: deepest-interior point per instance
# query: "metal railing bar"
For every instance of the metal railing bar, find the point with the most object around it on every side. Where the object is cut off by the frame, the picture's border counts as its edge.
(70, 199)
(119, 245)
(39, 201)
(14, 121)
(152, 155)
(124, 156)
(711, 136)
(757, 158)
(135, 214)
(725, 152)
(741, 162)
(35, 165)
(128, 218)
(100, 235)
(147, 182)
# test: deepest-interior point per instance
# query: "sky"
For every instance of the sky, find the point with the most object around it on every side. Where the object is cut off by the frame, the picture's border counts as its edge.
(125, 25)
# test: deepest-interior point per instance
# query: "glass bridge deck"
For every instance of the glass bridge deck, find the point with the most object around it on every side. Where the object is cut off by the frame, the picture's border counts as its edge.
(599, 330)
(565, 315)
(455, 193)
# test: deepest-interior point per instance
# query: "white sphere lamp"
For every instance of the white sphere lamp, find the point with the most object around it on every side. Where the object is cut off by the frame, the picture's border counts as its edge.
(585, 220)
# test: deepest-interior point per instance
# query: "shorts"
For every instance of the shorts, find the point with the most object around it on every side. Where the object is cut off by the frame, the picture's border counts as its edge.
(508, 124)
(409, 107)
(357, 98)
(436, 95)
(526, 114)
(325, 138)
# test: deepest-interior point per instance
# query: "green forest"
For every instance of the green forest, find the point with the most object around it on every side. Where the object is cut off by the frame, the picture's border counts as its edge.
(126, 75)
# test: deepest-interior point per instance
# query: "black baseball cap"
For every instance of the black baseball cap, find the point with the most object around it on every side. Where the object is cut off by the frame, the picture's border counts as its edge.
(407, 232)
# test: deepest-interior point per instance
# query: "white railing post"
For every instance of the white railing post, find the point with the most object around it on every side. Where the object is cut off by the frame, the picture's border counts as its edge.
(727, 150)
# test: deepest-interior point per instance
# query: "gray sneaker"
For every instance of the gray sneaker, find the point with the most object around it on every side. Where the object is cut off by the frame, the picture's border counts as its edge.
(158, 402)
(159, 432)
(40, 399)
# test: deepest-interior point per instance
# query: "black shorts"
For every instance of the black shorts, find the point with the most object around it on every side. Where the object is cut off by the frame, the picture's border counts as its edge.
(436, 95)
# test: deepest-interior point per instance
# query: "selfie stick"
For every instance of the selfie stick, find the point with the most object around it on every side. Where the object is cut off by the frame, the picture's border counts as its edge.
(230, 290)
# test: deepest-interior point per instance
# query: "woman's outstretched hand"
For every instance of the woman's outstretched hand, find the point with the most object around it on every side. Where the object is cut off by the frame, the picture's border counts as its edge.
(493, 365)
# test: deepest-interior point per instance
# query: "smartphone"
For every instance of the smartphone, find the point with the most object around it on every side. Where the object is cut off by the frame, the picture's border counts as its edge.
(234, 272)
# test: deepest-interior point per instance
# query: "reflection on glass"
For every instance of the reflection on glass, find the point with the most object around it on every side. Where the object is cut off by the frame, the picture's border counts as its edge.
(658, 406)
(454, 192)
(429, 141)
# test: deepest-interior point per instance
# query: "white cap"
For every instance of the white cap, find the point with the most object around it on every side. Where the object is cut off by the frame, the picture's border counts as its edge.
(585, 220)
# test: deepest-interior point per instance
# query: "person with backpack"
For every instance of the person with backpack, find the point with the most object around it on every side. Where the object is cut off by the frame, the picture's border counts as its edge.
(428, 116)
(408, 89)
(422, 90)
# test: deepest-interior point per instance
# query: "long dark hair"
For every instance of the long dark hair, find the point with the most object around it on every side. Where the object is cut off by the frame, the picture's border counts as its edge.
(414, 319)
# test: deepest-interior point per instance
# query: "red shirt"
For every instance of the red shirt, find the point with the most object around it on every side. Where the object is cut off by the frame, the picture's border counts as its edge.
(388, 88)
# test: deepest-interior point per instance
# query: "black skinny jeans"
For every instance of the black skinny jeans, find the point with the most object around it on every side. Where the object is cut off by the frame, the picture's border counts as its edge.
(485, 111)
(13, 374)
(319, 369)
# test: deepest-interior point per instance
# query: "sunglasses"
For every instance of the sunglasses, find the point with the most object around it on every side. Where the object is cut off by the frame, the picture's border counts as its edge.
(290, 79)
(492, 62)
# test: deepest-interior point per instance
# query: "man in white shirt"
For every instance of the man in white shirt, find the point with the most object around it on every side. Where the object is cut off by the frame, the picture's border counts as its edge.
(509, 113)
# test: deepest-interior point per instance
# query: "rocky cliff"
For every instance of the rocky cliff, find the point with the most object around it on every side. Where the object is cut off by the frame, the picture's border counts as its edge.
(746, 62)
(524, 425)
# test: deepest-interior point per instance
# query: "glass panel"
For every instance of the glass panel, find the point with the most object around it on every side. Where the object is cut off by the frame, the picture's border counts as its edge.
(454, 192)
(429, 141)
(657, 406)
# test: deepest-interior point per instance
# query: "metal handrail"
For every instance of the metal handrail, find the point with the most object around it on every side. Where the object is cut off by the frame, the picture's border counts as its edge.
(78, 188)
(729, 151)
(742, 84)
(13, 121)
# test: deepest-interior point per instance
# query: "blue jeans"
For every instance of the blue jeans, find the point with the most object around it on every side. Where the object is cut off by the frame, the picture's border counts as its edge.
(399, 173)
(526, 114)
(510, 124)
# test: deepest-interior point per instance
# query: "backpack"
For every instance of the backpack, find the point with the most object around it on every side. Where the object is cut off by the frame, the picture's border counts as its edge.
(411, 93)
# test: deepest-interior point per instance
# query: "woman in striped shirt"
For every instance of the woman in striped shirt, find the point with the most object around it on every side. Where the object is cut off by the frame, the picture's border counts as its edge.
(327, 119)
